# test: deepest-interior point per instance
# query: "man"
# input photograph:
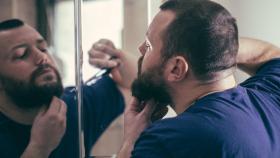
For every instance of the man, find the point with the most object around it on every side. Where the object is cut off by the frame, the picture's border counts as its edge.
(189, 55)
(34, 122)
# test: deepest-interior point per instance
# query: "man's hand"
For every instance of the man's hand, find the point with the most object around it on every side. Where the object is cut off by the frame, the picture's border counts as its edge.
(47, 130)
(103, 54)
(137, 117)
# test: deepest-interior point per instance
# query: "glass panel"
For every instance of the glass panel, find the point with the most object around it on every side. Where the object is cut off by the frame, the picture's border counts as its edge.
(64, 39)
(97, 22)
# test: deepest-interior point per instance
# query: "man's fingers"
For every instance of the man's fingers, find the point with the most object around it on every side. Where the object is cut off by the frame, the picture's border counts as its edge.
(159, 113)
(41, 113)
(55, 105)
(63, 109)
(98, 54)
(107, 42)
(149, 108)
(133, 105)
(101, 63)
(107, 50)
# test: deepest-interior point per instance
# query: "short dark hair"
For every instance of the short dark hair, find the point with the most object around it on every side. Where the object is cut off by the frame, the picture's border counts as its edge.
(10, 24)
(205, 33)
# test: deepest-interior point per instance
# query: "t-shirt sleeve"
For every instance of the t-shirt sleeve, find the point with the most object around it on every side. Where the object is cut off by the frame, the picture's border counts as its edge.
(267, 78)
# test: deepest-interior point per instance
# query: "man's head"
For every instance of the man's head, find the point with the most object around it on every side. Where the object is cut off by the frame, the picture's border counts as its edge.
(28, 76)
(193, 39)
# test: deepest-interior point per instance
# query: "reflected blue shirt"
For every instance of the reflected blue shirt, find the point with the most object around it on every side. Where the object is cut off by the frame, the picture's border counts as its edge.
(102, 103)
(240, 122)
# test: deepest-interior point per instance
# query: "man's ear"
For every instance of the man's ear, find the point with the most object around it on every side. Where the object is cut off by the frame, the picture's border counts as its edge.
(176, 69)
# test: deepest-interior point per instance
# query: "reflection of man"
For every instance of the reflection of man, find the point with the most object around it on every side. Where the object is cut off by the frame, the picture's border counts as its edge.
(34, 122)
(188, 59)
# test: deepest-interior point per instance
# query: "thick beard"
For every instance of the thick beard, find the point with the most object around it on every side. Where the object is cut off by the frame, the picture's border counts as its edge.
(150, 85)
(28, 95)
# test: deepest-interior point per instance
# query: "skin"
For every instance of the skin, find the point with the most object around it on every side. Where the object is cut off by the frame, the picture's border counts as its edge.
(22, 50)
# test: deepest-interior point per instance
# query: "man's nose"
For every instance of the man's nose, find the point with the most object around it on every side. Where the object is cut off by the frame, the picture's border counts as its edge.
(40, 58)
(141, 49)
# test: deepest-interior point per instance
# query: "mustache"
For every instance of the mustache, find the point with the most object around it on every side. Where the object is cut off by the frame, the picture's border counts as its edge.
(41, 68)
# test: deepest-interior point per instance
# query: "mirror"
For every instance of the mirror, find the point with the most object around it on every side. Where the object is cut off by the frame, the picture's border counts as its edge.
(101, 19)
(54, 19)
(94, 27)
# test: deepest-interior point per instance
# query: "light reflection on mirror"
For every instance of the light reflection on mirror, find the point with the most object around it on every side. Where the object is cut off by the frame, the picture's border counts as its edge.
(97, 22)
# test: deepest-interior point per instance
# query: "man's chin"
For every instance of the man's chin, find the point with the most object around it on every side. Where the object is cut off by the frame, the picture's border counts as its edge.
(151, 86)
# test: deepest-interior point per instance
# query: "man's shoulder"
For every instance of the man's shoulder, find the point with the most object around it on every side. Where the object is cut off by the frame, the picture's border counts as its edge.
(185, 134)
(271, 64)
(266, 79)
(211, 119)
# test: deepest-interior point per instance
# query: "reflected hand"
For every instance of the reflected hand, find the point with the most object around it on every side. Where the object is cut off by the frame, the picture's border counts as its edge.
(48, 127)
(103, 54)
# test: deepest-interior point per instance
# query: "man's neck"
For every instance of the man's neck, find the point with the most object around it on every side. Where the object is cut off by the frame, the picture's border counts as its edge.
(183, 98)
(17, 114)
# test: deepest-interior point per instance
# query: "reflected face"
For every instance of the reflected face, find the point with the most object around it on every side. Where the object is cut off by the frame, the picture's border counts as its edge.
(28, 75)
(150, 83)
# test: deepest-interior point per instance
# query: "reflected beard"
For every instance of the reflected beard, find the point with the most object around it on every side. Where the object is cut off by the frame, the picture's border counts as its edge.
(28, 95)
(150, 85)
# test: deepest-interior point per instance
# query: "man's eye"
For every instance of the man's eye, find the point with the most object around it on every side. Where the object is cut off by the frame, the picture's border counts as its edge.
(44, 50)
(21, 56)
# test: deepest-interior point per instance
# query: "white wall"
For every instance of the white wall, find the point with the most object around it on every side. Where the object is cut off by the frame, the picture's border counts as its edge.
(135, 24)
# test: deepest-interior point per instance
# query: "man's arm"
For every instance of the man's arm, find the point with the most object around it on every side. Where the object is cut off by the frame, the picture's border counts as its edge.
(254, 53)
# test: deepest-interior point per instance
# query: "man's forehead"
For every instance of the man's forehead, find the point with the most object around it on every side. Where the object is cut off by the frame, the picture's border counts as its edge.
(160, 22)
(19, 35)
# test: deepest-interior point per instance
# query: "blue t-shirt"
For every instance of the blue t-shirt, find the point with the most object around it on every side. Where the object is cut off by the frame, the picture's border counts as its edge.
(241, 122)
(102, 103)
